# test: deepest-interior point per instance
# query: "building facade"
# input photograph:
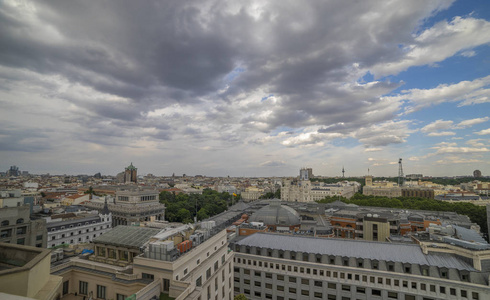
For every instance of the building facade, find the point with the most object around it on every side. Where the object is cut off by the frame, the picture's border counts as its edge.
(307, 191)
(131, 174)
(25, 272)
(16, 227)
(79, 228)
(131, 206)
(204, 271)
(271, 266)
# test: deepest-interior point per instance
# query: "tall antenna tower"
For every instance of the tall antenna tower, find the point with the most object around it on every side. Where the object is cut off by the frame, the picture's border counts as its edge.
(343, 171)
(400, 173)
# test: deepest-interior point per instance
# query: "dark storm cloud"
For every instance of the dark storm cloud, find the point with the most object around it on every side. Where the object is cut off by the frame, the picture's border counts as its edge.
(156, 54)
(24, 140)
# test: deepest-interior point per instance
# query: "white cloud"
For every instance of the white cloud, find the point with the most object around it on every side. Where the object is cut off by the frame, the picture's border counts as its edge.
(476, 143)
(460, 150)
(468, 53)
(435, 44)
(471, 122)
(437, 125)
(373, 149)
(442, 133)
(483, 132)
(464, 92)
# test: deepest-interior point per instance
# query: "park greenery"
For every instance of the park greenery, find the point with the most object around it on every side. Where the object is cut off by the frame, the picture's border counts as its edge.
(271, 195)
(477, 214)
(184, 207)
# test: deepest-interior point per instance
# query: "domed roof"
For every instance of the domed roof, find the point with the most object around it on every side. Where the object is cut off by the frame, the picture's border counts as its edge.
(276, 214)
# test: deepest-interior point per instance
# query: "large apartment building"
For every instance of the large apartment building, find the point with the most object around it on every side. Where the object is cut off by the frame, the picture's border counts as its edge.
(142, 263)
(273, 266)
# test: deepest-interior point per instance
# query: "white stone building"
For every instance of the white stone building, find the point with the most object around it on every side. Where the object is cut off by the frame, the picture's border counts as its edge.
(76, 228)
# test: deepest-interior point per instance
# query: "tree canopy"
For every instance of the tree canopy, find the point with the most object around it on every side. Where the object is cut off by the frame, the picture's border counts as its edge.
(183, 207)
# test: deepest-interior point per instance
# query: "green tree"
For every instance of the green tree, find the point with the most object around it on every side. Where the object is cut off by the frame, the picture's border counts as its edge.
(202, 214)
(240, 297)
(184, 216)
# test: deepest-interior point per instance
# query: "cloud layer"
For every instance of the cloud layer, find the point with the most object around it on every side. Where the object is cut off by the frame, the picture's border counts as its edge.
(259, 84)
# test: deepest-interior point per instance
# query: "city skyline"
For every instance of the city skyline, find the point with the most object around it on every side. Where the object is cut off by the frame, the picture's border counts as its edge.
(222, 88)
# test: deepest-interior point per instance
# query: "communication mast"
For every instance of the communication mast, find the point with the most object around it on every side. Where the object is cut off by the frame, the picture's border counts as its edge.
(343, 171)
(400, 173)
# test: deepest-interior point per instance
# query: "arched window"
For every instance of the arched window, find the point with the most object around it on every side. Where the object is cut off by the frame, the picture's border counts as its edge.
(5, 223)
(20, 221)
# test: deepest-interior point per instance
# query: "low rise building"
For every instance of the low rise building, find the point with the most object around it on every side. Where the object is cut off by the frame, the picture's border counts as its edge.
(76, 228)
(25, 272)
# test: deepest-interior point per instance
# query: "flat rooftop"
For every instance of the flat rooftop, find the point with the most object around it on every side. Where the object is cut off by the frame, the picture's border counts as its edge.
(127, 236)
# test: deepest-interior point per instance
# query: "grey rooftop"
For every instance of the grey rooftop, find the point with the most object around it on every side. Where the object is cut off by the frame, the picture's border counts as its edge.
(127, 236)
(404, 253)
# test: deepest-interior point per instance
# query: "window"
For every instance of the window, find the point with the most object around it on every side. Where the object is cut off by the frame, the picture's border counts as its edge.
(268, 275)
(452, 292)
(21, 241)
(199, 281)
(376, 292)
(305, 281)
(268, 286)
(208, 273)
(361, 290)
(332, 285)
(147, 276)
(280, 277)
(66, 284)
(5, 223)
(475, 296)
(215, 266)
(21, 230)
(20, 221)
(280, 288)
(345, 287)
(292, 290)
(442, 289)
(392, 295)
(83, 288)
(101, 291)
(318, 283)
(121, 297)
(305, 292)
(292, 279)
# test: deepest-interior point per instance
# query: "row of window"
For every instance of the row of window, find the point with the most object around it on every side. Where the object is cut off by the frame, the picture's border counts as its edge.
(396, 283)
(83, 290)
(72, 240)
(345, 261)
(7, 223)
(80, 231)
(78, 225)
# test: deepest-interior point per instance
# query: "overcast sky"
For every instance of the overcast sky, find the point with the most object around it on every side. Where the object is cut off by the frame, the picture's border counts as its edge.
(245, 88)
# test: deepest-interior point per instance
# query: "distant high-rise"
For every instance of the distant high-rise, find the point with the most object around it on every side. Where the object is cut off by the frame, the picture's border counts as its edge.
(304, 174)
(477, 173)
(13, 171)
(130, 174)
